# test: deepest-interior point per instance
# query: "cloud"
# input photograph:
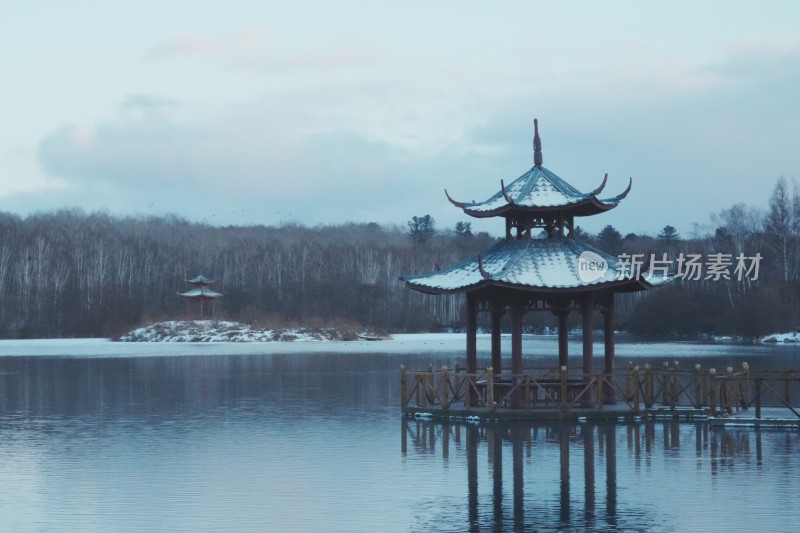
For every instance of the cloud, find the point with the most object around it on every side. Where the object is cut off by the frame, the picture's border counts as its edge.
(696, 138)
(755, 51)
(256, 49)
(250, 45)
(234, 166)
(146, 102)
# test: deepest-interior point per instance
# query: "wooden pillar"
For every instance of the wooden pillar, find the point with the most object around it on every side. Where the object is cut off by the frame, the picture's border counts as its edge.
(608, 359)
(403, 435)
(517, 436)
(759, 391)
(445, 441)
(563, 340)
(611, 474)
(564, 509)
(587, 308)
(497, 475)
(496, 341)
(517, 313)
(403, 386)
(588, 471)
(472, 475)
(472, 333)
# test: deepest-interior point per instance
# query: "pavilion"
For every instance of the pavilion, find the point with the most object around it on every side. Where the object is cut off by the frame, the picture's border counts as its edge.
(540, 265)
(200, 293)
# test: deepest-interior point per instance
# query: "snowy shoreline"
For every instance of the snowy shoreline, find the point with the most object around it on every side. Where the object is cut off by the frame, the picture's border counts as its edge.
(433, 343)
(441, 347)
(227, 331)
(232, 338)
(781, 338)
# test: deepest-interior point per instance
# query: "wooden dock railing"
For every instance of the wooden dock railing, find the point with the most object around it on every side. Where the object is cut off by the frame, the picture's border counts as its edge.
(639, 388)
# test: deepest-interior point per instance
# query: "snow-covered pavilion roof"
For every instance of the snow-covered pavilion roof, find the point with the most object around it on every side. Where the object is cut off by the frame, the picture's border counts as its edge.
(201, 279)
(540, 190)
(542, 265)
(200, 292)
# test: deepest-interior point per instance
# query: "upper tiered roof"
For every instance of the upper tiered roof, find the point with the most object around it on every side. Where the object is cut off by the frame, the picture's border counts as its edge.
(200, 280)
(540, 191)
(557, 263)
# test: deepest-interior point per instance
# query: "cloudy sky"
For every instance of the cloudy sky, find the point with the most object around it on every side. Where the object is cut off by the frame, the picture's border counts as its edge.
(244, 112)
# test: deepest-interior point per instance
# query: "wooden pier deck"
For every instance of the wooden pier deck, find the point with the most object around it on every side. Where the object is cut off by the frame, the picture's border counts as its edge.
(741, 397)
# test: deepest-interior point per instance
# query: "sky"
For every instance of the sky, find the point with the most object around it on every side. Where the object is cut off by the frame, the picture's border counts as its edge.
(257, 112)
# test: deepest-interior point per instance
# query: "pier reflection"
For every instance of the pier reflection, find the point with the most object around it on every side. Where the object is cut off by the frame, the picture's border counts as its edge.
(561, 476)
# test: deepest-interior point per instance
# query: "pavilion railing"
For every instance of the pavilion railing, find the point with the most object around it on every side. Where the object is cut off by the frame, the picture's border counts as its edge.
(645, 388)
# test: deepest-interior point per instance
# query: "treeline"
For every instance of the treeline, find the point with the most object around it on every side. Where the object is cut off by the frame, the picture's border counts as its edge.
(761, 298)
(72, 274)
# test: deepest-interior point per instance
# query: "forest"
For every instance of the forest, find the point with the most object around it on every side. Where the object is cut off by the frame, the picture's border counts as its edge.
(69, 273)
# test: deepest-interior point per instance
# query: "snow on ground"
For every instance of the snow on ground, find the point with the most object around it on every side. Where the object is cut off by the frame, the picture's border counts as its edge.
(784, 338)
(223, 331)
(443, 348)
(435, 345)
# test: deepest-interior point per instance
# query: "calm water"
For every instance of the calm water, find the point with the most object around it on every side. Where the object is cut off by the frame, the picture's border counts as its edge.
(315, 442)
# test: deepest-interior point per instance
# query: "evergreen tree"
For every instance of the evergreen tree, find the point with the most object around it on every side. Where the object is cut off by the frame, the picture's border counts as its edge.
(464, 229)
(421, 229)
(668, 235)
(609, 240)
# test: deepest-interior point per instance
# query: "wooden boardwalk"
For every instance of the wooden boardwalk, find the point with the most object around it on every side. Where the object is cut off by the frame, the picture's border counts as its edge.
(739, 396)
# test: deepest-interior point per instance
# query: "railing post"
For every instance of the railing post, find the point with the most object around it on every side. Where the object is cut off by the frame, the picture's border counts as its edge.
(403, 386)
(444, 383)
(712, 390)
(458, 380)
(728, 386)
(636, 391)
(673, 391)
(429, 385)
(698, 386)
(744, 383)
(787, 387)
(665, 384)
(649, 382)
(527, 402)
(600, 390)
(562, 397)
(490, 388)
(468, 381)
(759, 385)
(630, 384)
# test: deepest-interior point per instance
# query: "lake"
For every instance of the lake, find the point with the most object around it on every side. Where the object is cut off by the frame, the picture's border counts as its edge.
(100, 436)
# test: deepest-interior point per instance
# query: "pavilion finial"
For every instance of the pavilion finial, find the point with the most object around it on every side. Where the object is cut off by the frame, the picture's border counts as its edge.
(537, 144)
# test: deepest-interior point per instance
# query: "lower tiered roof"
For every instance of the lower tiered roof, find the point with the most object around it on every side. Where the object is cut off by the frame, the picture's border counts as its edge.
(200, 292)
(541, 265)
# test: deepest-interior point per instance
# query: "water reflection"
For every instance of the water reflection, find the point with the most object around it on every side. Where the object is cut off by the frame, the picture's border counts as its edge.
(564, 476)
(180, 386)
(308, 442)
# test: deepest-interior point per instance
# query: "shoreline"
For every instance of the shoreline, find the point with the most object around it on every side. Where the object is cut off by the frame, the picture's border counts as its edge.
(435, 344)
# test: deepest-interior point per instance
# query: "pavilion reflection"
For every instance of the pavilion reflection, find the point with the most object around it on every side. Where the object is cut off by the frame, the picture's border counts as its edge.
(519, 441)
(565, 475)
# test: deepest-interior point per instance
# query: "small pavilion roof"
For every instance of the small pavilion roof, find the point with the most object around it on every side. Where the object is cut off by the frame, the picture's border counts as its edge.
(540, 265)
(200, 292)
(541, 190)
(201, 279)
